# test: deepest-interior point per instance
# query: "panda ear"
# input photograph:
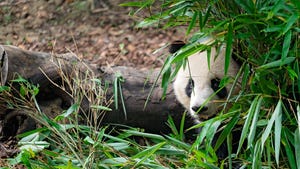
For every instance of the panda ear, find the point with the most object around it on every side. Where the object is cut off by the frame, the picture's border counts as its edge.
(175, 46)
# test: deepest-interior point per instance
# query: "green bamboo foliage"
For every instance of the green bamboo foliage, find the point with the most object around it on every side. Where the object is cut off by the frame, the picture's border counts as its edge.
(264, 34)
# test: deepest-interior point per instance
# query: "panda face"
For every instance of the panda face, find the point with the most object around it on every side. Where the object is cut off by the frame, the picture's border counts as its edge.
(196, 84)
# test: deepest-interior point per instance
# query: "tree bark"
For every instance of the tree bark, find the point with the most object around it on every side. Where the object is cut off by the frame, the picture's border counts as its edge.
(41, 68)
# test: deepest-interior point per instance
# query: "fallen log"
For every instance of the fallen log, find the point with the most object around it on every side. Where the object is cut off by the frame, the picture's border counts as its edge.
(45, 70)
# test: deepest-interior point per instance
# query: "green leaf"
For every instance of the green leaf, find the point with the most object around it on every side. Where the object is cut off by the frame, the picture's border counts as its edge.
(146, 135)
(289, 23)
(19, 80)
(182, 122)
(172, 126)
(275, 28)
(277, 131)
(275, 116)
(118, 146)
(145, 154)
(98, 107)
(296, 3)
(89, 140)
(188, 51)
(293, 75)
(207, 14)
(279, 4)
(256, 161)
(72, 109)
(297, 138)
(277, 63)
(252, 130)
(34, 146)
(245, 77)
(248, 6)
(247, 122)
(212, 131)
(286, 45)
(4, 88)
(229, 42)
(192, 23)
(226, 132)
(147, 22)
(23, 90)
(289, 151)
(178, 143)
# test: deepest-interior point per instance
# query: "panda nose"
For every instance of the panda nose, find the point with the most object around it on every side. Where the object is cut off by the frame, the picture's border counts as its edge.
(196, 108)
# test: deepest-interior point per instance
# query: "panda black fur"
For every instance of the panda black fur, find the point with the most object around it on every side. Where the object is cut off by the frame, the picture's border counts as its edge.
(196, 83)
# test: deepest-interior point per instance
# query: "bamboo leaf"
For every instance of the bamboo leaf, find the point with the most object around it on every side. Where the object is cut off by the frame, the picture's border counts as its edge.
(275, 115)
(278, 127)
(256, 161)
(289, 151)
(146, 135)
(247, 123)
(99, 107)
(289, 23)
(286, 45)
(228, 47)
(145, 154)
(72, 109)
(277, 63)
(192, 23)
(252, 130)
(227, 130)
(183, 54)
(245, 77)
(207, 14)
(182, 122)
(297, 138)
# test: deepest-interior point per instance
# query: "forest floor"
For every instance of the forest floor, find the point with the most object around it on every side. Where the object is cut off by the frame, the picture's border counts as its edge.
(104, 35)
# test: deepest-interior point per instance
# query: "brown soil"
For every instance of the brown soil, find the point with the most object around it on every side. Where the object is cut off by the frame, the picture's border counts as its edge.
(104, 35)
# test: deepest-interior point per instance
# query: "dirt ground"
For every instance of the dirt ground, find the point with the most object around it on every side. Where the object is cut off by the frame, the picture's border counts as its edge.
(101, 32)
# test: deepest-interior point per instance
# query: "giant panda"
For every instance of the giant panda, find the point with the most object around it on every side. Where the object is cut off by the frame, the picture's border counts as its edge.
(196, 83)
(196, 87)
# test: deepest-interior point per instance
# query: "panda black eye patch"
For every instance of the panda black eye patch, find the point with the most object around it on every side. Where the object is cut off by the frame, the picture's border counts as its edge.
(215, 85)
(175, 46)
(189, 87)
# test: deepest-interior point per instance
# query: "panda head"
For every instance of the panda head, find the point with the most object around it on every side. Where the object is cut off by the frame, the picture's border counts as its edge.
(196, 84)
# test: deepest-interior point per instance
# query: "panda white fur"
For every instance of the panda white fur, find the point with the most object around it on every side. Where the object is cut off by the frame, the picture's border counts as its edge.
(196, 83)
